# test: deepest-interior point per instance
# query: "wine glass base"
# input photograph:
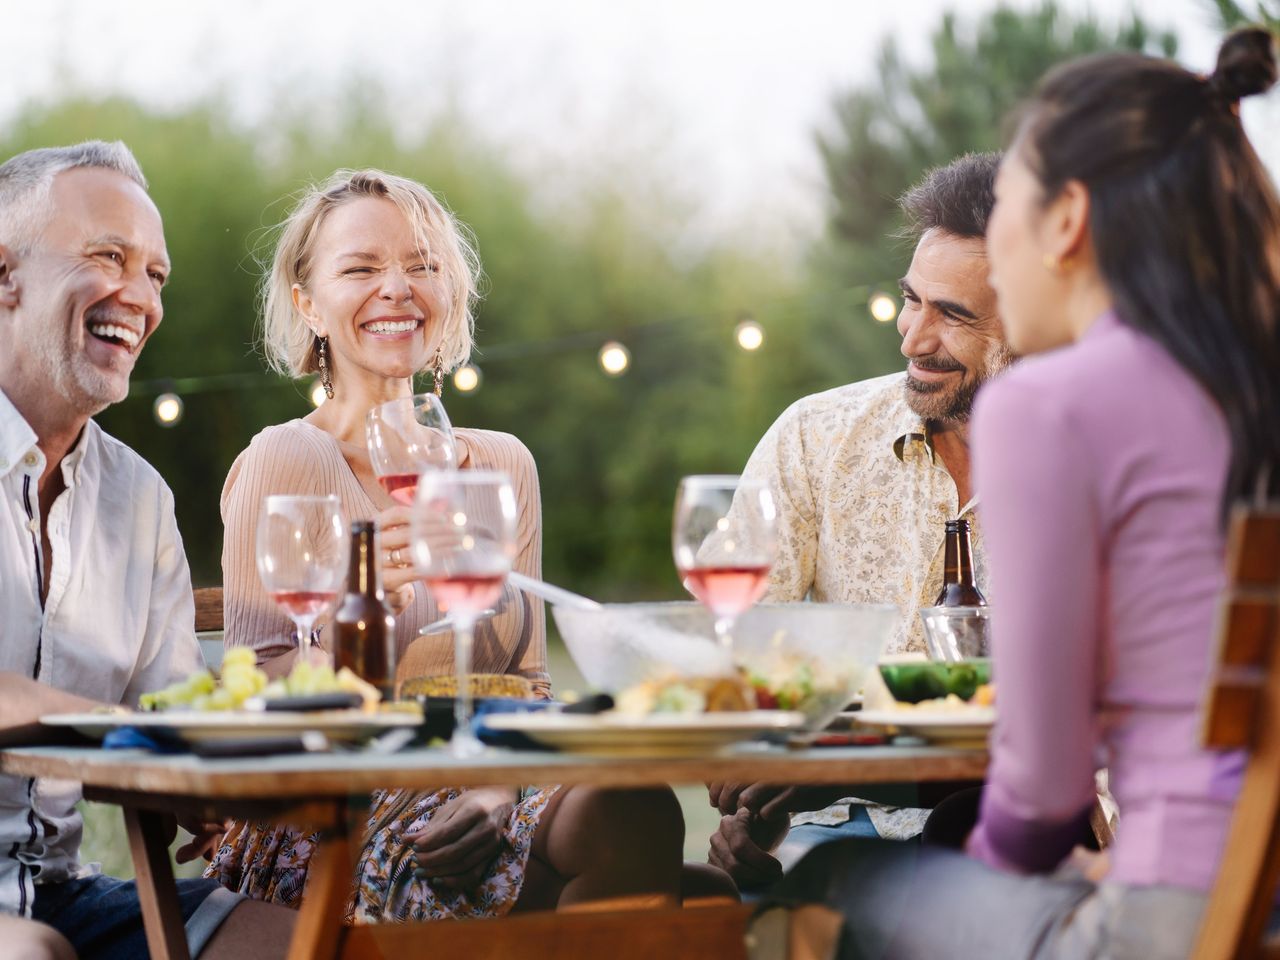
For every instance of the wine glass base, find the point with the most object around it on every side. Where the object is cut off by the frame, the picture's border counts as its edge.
(466, 745)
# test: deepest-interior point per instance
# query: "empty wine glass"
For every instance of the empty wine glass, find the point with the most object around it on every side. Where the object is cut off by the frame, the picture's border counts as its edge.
(407, 437)
(302, 557)
(724, 542)
(463, 542)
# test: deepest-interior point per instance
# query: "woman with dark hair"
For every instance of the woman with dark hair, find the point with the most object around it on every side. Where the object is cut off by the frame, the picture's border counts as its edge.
(1135, 252)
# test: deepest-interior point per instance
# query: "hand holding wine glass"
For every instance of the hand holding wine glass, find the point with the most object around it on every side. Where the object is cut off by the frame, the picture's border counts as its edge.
(407, 437)
(724, 541)
(302, 557)
(464, 541)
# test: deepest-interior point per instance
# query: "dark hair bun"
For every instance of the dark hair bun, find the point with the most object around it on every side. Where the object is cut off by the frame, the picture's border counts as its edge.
(1246, 64)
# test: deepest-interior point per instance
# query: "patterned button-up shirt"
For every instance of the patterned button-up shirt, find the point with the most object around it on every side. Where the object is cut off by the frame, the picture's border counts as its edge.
(862, 502)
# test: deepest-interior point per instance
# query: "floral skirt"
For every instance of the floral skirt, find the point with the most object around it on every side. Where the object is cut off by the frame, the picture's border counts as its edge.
(269, 862)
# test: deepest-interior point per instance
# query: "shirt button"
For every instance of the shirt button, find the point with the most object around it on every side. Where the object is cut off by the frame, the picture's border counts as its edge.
(29, 459)
(33, 525)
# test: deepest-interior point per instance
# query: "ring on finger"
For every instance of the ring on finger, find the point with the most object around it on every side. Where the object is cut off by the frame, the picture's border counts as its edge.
(395, 557)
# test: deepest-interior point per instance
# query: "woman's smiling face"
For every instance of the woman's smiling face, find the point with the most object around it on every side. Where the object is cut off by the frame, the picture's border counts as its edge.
(374, 291)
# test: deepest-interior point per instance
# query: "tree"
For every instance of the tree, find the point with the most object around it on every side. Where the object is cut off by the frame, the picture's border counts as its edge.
(1232, 14)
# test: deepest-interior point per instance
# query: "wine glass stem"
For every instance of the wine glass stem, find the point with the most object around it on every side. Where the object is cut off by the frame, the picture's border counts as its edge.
(464, 741)
(304, 625)
(723, 626)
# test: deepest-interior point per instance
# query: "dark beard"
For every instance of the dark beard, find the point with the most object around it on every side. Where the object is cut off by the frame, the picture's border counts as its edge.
(942, 403)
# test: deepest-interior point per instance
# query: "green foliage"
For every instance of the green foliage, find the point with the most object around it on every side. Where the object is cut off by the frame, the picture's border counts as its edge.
(1232, 14)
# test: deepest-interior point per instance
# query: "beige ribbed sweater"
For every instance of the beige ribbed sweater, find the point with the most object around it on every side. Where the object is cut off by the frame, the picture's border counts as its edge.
(299, 458)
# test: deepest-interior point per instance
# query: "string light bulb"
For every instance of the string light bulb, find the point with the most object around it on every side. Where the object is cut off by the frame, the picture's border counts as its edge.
(749, 334)
(466, 379)
(317, 394)
(167, 409)
(614, 358)
(883, 307)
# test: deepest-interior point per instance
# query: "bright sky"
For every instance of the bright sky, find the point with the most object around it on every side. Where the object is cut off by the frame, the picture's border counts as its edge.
(718, 99)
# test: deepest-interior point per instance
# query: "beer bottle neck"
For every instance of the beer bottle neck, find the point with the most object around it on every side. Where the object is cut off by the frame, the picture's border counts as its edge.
(362, 575)
(958, 559)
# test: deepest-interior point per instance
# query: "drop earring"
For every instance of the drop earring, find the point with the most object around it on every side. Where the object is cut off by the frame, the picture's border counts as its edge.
(437, 368)
(326, 378)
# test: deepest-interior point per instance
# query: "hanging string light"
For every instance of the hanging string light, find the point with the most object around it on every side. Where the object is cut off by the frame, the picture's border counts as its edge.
(614, 358)
(749, 334)
(466, 379)
(883, 307)
(167, 409)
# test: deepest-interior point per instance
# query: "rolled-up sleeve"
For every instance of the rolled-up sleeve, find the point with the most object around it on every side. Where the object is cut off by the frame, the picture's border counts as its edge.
(1044, 547)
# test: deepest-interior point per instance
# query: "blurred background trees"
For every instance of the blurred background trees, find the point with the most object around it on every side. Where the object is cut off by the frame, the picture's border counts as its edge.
(561, 280)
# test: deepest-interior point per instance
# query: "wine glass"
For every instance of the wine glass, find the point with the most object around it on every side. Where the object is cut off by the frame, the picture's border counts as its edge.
(302, 557)
(724, 542)
(463, 541)
(407, 437)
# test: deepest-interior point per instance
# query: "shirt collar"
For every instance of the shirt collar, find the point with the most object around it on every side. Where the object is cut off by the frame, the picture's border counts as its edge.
(16, 435)
(910, 430)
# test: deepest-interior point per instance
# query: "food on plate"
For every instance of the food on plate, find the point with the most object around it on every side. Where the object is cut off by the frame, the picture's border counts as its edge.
(241, 679)
(915, 681)
(685, 695)
(790, 681)
(482, 685)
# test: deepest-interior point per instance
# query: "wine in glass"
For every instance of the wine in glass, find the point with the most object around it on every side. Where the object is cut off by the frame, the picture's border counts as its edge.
(302, 557)
(724, 541)
(407, 437)
(463, 542)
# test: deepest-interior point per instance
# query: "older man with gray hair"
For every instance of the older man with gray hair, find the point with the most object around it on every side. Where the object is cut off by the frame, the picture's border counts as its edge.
(95, 592)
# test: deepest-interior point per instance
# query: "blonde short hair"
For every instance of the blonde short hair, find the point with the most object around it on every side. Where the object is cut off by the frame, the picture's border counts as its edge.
(290, 345)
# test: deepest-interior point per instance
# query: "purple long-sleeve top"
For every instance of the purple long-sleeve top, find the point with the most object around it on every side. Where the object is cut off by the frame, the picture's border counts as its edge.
(1101, 467)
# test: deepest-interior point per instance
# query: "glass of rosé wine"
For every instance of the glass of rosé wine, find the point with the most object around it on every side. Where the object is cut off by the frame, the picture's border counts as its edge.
(302, 553)
(724, 540)
(463, 541)
(407, 437)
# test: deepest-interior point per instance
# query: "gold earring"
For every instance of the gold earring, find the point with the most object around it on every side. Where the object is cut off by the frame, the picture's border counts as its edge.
(1055, 264)
(437, 368)
(326, 379)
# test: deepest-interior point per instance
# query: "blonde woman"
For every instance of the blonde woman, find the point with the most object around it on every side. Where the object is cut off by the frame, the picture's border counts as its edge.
(373, 282)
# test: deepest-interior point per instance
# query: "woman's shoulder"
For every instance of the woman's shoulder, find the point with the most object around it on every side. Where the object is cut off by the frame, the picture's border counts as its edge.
(494, 450)
(281, 451)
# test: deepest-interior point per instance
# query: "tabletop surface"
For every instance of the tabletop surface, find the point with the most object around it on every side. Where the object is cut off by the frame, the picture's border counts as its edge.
(310, 775)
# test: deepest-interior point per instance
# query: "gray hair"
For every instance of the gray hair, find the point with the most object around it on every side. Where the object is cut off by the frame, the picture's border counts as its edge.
(27, 179)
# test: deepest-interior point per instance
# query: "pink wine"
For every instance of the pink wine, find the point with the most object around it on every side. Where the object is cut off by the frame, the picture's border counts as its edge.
(304, 603)
(727, 591)
(469, 594)
(401, 487)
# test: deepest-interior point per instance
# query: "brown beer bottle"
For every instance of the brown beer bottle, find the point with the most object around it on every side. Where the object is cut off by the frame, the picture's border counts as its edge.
(364, 626)
(958, 588)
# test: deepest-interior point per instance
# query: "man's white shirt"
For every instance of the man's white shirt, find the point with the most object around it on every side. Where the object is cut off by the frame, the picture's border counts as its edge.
(118, 620)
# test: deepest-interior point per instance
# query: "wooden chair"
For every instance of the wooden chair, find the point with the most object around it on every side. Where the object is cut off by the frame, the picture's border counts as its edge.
(1242, 711)
(208, 609)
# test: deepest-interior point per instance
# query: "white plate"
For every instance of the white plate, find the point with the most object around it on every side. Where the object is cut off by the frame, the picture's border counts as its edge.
(657, 735)
(196, 727)
(967, 726)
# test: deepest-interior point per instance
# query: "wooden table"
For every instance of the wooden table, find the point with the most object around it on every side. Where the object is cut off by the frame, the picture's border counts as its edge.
(324, 790)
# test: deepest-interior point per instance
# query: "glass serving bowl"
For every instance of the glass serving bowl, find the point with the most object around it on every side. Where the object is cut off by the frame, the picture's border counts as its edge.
(810, 657)
(953, 634)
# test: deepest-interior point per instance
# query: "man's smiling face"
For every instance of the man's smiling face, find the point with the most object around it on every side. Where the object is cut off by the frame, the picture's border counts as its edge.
(950, 331)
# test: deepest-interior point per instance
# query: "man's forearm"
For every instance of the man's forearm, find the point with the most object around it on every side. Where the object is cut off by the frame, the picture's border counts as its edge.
(24, 701)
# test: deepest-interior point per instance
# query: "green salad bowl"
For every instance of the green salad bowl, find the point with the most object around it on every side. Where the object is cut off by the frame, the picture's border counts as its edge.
(914, 681)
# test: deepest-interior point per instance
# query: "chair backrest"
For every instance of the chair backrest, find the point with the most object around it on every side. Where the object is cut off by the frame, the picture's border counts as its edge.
(208, 609)
(1242, 711)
